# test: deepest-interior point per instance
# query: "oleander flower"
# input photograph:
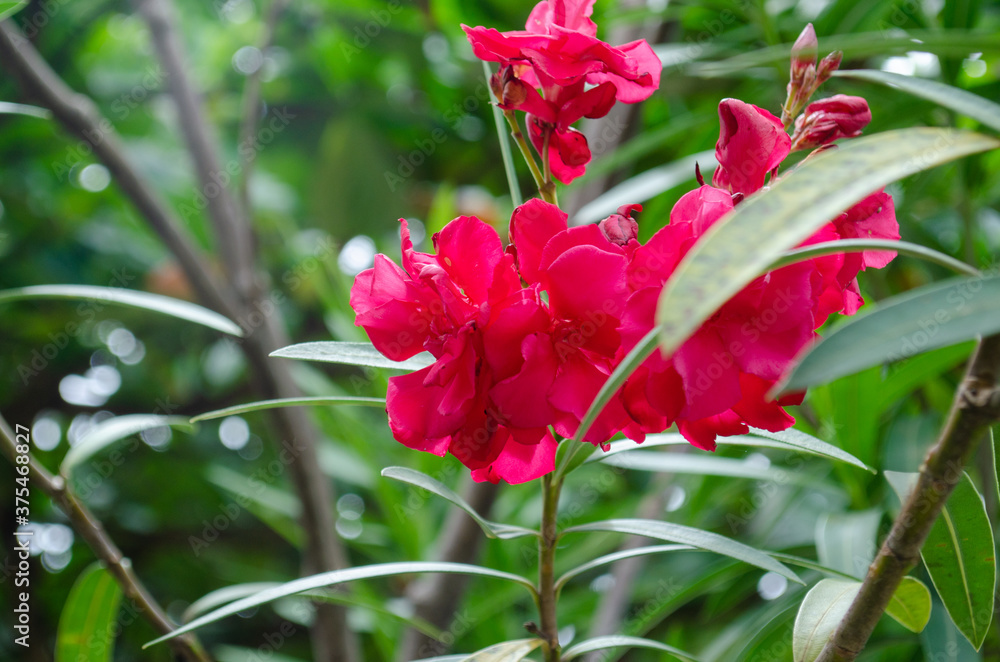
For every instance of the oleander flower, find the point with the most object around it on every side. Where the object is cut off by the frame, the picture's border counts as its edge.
(827, 120)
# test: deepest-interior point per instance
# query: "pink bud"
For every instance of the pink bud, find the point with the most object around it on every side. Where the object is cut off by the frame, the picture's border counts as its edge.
(827, 66)
(826, 120)
(804, 52)
(620, 228)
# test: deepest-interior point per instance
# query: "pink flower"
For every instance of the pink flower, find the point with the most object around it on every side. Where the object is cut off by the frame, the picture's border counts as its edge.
(824, 121)
(466, 306)
(559, 54)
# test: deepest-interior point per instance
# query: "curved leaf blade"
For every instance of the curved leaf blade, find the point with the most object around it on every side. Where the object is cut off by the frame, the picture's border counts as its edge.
(704, 465)
(686, 535)
(86, 625)
(934, 316)
(819, 615)
(790, 439)
(617, 556)
(959, 555)
(773, 221)
(911, 605)
(334, 577)
(618, 640)
(350, 353)
(961, 101)
(425, 482)
(508, 651)
(8, 108)
(317, 401)
(860, 245)
(11, 7)
(115, 429)
(133, 298)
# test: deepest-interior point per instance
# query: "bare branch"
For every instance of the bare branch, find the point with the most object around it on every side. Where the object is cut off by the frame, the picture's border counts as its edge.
(91, 530)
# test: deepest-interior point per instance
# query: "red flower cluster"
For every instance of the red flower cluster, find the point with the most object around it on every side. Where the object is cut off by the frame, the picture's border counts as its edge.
(560, 54)
(524, 337)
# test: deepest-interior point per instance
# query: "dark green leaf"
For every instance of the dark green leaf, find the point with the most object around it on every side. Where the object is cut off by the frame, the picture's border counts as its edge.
(933, 316)
(959, 555)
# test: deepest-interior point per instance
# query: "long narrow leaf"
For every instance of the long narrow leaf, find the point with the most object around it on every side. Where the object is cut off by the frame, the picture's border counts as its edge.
(133, 298)
(504, 138)
(704, 465)
(617, 556)
(334, 577)
(425, 482)
(115, 429)
(966, 103)
(934, 316)
(318, 401)
(8, 108)
(350, 353)
(686, 535)
(10, 7)
(87, 622)
(508, 651)
(618, 641)
(798, 204)
(859, 245)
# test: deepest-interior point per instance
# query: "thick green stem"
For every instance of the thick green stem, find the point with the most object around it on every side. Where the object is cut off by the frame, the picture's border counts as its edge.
(549, 630)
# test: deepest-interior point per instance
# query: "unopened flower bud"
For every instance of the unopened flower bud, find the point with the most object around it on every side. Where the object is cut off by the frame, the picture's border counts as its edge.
(621, 228)
(824, 121)
(827, 66)
(804, 52)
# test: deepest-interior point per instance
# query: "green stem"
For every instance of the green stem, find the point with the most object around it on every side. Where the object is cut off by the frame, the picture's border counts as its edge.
(522, 144)
(549, 629)
(547, 189)
(505, 151)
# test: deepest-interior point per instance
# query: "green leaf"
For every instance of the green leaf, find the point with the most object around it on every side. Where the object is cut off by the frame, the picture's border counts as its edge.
(819, 615)
(617, 556)
(859, 245)
(847, 541)
(228, 594)
(320, 401)
(334, 577)
(919, 370)
(10, 7)
(8, 108)
(942, 642)
(350, 353)
(87, 622)
(122, 297)
(959, 555)
(503, 135)
(965, 103)
(934, 316)
(628, 365)
(571, 454)
(911, 604)
(704, 465)
(271, 504)
(791, 439)
(686, 535)
(508, 651)
(719, 265)
(644, 186)
(616, 641)
(115, 429)
(425, 482)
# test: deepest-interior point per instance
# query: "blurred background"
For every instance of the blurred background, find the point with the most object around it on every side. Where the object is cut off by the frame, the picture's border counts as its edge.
(375, 111)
